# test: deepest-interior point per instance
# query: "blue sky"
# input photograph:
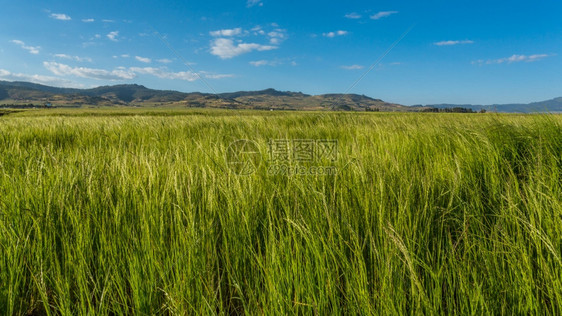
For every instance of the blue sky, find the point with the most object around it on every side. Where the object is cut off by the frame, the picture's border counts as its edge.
(479, 52)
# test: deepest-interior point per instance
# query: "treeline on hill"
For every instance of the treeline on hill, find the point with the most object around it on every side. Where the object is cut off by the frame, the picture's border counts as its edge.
(26, 106)
(453, 110)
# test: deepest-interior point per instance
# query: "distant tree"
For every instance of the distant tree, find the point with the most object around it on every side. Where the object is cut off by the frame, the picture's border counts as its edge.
(430, 110)
(456, 110)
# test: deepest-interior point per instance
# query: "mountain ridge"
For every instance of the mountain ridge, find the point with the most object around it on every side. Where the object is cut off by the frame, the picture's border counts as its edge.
(551, 105)
(20, 92)
(139, 95)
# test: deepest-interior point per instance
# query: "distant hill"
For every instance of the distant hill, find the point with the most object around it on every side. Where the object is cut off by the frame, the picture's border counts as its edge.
(16, 93)
(134, 94)
(34, 86)
(269, 92)
(553, 105)
(138, 95)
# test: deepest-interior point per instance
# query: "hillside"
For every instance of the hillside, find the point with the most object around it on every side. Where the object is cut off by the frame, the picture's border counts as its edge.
(16, 93)
(138, 95)
(552, 105)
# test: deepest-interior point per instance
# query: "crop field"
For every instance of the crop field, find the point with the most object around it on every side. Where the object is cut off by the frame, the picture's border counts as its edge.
(180, 212)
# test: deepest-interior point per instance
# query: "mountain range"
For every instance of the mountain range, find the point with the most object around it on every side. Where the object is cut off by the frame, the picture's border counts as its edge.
(19, 93)
(553, 106)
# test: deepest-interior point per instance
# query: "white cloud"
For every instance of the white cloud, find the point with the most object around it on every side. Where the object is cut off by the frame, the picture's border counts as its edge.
(336, 33)
(382, 14)
(60, 16)
(450, 43)
(113, 35)
(276, 62)
(226, 48)
(143, 59)
(352, 67)
(76, 58)
(90, 73)
(107, 21)
(259, 63)
(277, 36)
(164, 61)
(353, 15)
(216, 76)
(163, 73)
(120, 73)
(31, 49)
(46, 80)
(251, 3)
(513, 59)
(125, 56)
(88, 20)
(227, 32)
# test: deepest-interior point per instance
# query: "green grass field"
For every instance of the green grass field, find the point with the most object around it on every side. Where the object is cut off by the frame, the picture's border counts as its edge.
(117, 212)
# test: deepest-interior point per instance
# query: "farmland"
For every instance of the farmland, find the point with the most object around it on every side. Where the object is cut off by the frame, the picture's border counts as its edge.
(123, 211)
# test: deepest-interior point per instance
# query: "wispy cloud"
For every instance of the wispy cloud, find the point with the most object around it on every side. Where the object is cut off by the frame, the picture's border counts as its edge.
(259, 63)
(352, 67)
(163, 73)
(88, 20)
(164, 61)
(113, 36)
(513, 59)
(382, 14)
(353, 15)
(60, 16)
(451, 43)
(225, 48)
(334, 34)
(58, 69)
(76, 58)
(275, 62)
(251, 3)
(143, 59)
(46, 80)
(227, 32)
(215, 76)
(122, 73)
(257, 30)
(277, 36)
(31, 49)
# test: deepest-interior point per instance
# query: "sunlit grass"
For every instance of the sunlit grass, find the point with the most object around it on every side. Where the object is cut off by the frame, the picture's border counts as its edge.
(135, 211)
